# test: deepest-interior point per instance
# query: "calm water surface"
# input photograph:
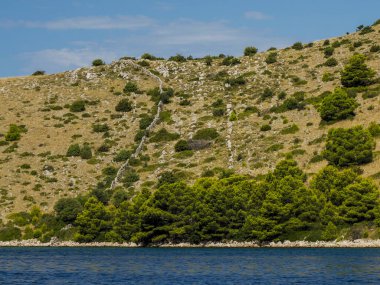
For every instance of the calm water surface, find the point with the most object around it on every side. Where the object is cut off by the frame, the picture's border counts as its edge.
(188, 266)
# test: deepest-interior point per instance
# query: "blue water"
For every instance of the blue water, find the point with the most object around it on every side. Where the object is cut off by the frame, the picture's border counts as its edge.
(188, 266)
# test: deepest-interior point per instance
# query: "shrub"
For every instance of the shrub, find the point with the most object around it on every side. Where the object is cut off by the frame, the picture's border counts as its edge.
(163, 135)
(337, 106)
(265, 128)
(230, 61)
(328, 51)
(100, 128)
(327, 76)
(331, 62)
(235, 81)
(148, 56)
(123, 106)
(167, 177)
(297, 46)
(122, 155)
(98, 62)
(85, 152)
(356, 72)
(366, 30)
(346, 147)
(67, 209)
(250, 51)
(267, 93)
(38, 72)
(10, 233)
(145, 122)
(130, 87)
(206, 134)
(78, 106)
(13, 134)
(218, 112)
(375, 48)
(208, 60)
(177, 58)
(374, 129)
(271, 58)
(73, 150)
(182, 145)
(290, 130)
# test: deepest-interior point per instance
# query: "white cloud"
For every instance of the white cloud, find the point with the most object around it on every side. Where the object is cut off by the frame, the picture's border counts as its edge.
(55, 60)
(85, 23)
(256, 15)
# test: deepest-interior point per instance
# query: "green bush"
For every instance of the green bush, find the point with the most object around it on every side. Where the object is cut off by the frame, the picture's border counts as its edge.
(145, 121)
(10, 233)
(356, 72)
(14, 133)
(265, 128)
(177, 58)
(271, 58)
(328, 51)
(267, 93)
(78, 106)
(238, 81)
(375, 48)
(163, 135)
(297, 46)
(250, 51)
(374, 129)
(182, 145)
(206, 134)
(337, 106)
(73, 150)
(100, 128)
(98, 62)
(330, 62)
(85, 152)
(124, 105)
(290, 130)
(67, 209)
(218, 112)
(346, 147)
(38, 72)
(230, 61)
(130, 87)
(122, 155)
(148, 56)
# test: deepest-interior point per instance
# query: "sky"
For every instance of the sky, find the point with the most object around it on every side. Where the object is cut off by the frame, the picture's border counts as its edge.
(56, 35)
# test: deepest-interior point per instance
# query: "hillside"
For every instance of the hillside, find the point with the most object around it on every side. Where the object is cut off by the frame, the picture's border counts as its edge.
(234, 99)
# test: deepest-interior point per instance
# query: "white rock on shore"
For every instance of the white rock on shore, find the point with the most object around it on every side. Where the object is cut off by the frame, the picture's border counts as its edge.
(360, 243)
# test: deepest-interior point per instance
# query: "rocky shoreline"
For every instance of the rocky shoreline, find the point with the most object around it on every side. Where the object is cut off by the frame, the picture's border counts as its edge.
(359, 243)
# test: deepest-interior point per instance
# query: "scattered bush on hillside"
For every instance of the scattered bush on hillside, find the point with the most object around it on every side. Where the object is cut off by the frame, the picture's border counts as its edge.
(73, 150)
(130, 87)
(14, 133)
(295, 102)
(182, 145)
(337, 106)
(374, 129)
(148, 56)
(163, 135)
(356, 72)
(330, 62)
(265, 128)
(206, 134)
(267, 94)
(328, 51)
(230, 61)
(297, 46)
(124, 105)
(271, 58)
(366, 30)
(78, 106)
(346, 147)
(375, 48)
(177, 58)
(122, 155)
(100, 128)
(250, 51)
(38, 72)
(98, 62)
(238, 81)
(85, 152)
(218, 112)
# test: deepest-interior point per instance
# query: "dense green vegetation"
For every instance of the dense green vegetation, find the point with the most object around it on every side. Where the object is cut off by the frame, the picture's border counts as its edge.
(356, 72)
(337, 106)
(277, 206)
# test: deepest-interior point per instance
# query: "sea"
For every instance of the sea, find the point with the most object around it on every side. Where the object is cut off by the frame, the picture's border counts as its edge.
(52, 265)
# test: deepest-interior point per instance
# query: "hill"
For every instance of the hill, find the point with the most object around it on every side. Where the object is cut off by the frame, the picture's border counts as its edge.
(217, 115)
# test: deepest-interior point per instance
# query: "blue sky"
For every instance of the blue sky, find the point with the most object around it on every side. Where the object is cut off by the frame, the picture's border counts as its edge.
(56, 35)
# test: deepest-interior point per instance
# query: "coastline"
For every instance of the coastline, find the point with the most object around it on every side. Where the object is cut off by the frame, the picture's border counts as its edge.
(359, 243)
